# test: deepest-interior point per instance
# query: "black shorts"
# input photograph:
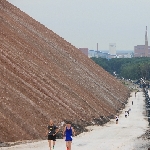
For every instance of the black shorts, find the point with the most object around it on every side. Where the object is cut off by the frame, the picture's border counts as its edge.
(51, 137)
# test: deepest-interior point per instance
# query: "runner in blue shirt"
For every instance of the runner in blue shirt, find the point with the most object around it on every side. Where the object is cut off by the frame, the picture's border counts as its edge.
(68, 133)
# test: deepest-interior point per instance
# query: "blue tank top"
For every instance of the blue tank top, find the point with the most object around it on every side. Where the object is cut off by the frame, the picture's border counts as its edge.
(68, 132)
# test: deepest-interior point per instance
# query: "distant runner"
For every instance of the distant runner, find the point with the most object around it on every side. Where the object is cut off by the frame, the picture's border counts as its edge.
(126, 114)
(117, 118)
(132, 102)
(68, 133)
(51, 132)
(135, 94)
(128, 111)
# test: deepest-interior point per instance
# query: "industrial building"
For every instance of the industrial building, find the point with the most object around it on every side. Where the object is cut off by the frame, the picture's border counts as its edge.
(142, 50)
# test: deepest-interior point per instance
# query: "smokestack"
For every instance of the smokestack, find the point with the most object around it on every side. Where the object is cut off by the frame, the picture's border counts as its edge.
(146, 35)
(97, 46)
(146, 43)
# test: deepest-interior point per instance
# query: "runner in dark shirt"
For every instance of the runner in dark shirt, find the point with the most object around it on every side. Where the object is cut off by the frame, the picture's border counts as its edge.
(51, 132)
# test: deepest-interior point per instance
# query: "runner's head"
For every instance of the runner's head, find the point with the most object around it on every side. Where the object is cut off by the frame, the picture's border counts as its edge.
(51, 122)
(68, 123)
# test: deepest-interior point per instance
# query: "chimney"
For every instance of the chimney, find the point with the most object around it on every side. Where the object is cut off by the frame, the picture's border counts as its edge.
(146, 43)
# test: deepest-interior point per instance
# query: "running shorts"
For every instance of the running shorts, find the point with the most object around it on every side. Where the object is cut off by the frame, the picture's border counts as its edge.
(68, 138)
(51, 137)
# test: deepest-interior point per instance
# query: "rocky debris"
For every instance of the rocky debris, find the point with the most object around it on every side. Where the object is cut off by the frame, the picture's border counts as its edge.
(147, 134)
(43, 76)
(147, 103)
(4, 144)
(9, 144)
(142, 145)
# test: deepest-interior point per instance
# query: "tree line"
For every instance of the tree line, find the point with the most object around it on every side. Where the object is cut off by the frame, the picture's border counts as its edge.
(128, 68)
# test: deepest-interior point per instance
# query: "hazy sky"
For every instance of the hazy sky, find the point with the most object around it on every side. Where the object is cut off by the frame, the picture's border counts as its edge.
(84, 23)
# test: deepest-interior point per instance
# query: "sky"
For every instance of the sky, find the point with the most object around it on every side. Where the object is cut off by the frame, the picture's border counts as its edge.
(84, 23)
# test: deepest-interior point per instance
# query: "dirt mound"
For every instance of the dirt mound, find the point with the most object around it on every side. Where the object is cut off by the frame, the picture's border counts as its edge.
(43, 76)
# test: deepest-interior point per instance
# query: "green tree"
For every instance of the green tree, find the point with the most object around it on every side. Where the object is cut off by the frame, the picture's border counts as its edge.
(129, 68)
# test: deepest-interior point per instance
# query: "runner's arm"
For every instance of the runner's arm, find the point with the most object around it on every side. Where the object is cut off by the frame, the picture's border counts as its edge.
(64, 131)
(73, 131)
(56, 131)
(46, 133)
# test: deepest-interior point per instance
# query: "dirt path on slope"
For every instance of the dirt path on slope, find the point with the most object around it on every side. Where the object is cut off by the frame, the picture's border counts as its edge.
(121, 136)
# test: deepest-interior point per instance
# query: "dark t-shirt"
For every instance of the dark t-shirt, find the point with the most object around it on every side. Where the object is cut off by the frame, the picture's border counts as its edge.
(51, 129)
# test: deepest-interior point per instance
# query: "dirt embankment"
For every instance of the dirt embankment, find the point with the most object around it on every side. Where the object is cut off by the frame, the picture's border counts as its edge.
(42, 76)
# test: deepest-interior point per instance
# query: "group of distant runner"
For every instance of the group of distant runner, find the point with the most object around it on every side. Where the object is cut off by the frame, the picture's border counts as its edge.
(126, 112)
(68, 132)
